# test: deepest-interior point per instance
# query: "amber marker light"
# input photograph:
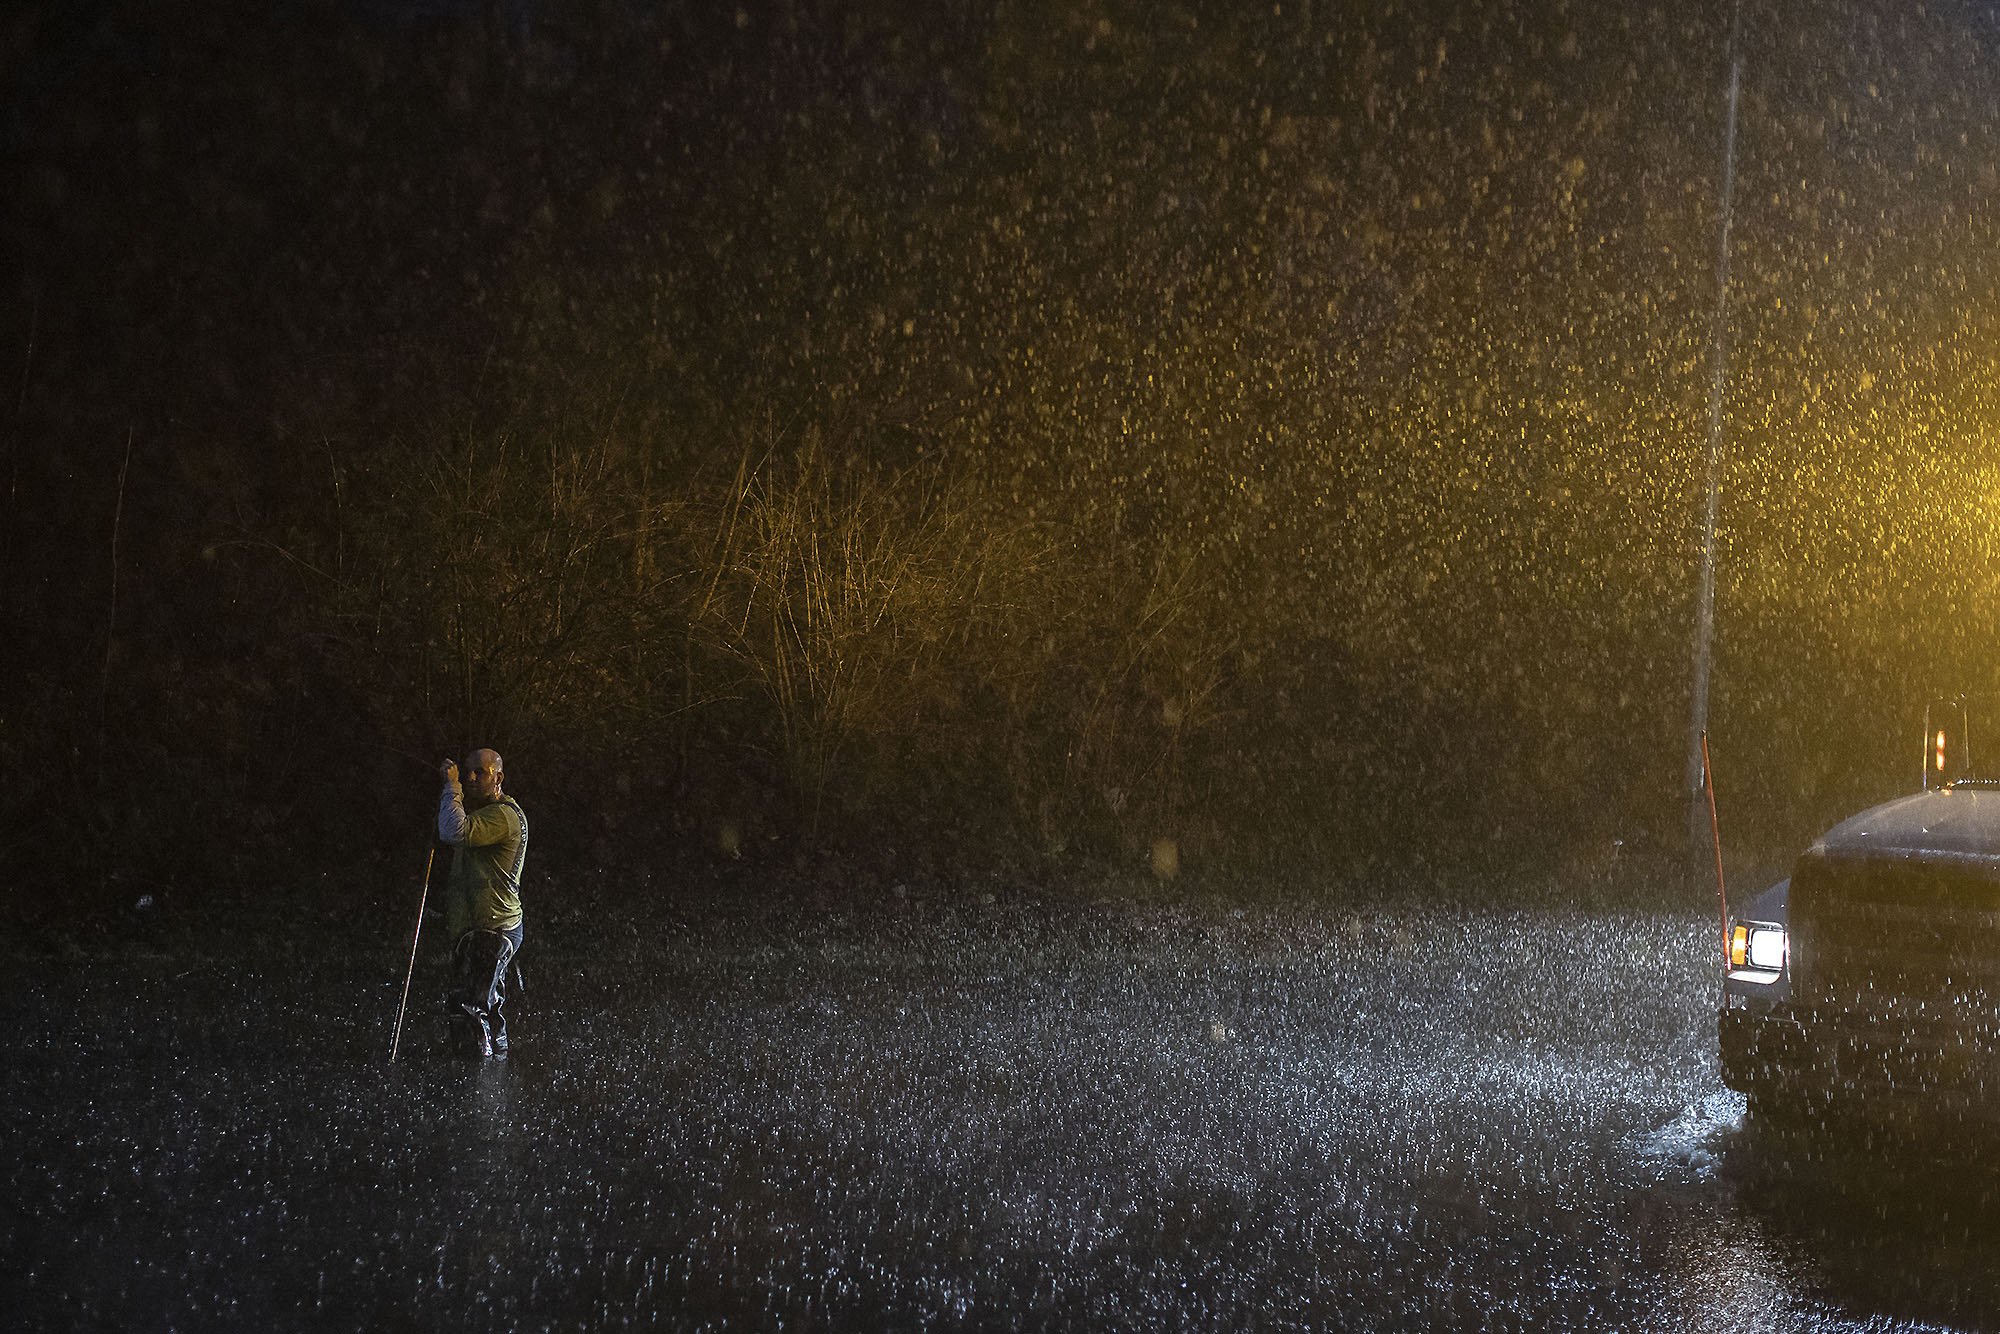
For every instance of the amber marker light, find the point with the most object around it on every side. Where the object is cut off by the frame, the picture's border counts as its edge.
(1739, 946)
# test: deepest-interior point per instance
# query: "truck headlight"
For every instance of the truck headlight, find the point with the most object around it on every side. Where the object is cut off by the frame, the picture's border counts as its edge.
(1757, 945)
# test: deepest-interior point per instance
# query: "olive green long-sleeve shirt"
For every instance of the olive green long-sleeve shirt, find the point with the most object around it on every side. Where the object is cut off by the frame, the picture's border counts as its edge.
(488, 848)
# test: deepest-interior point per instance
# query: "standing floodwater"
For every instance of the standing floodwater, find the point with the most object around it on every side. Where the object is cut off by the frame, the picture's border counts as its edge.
(954, 1113)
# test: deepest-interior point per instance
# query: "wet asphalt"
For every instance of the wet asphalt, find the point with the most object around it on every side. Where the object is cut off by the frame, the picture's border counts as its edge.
(958, 1111)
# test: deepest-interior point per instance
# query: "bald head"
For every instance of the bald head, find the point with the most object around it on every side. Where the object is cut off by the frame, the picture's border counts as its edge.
(483, 775)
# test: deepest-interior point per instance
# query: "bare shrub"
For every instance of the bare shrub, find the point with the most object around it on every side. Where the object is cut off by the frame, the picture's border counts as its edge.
(851, 603)
(500, 587)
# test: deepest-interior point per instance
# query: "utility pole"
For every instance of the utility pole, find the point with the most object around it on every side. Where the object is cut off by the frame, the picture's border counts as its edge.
(1718, 343)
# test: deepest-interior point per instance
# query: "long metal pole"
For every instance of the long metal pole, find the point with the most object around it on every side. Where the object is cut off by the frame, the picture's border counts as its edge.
(1704, 631)
(1715, 836)
(1721, 890)
(422, 900)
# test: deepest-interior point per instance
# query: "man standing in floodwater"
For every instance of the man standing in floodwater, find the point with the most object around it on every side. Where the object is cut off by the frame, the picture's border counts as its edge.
(488, 834)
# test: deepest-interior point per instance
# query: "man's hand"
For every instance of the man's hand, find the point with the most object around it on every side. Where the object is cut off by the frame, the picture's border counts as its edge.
(449, 772)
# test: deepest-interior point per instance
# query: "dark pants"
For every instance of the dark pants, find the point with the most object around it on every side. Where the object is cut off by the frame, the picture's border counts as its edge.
(475, 1006)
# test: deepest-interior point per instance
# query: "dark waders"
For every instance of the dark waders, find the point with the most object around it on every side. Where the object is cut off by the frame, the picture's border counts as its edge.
(475, 1006)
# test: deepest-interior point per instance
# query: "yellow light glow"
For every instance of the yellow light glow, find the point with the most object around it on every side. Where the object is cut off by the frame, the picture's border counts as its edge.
(1739, 945)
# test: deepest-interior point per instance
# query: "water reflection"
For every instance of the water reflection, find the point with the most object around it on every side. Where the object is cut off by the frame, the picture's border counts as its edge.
(996, 1122)
(1878, 1223)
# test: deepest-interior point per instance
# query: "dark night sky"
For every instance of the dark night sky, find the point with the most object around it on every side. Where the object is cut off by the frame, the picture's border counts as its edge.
(1344, 367)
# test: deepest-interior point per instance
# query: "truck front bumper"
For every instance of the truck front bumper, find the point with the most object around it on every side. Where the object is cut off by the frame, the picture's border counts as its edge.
(1868, 1065)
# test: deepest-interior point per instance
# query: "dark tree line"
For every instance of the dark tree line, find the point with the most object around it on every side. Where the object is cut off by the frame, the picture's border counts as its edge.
(1078, 435)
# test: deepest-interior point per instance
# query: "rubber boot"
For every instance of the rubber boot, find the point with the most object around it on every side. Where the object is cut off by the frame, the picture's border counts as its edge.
(469, 1036)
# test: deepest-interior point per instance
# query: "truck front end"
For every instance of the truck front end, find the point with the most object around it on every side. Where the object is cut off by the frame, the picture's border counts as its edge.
(1869, 982)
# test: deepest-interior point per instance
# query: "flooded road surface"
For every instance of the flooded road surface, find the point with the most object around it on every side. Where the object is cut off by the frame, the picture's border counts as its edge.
(958, 1114)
